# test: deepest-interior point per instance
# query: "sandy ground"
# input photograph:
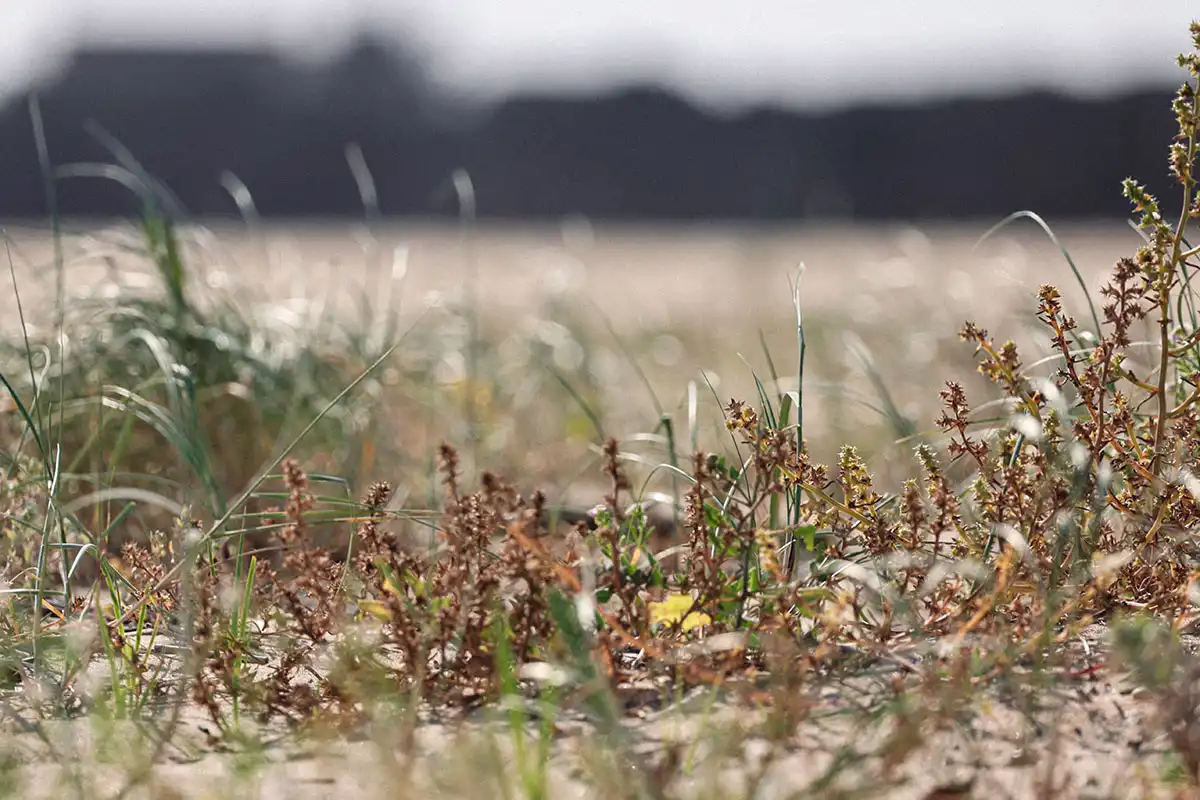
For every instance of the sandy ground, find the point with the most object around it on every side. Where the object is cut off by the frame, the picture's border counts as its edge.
(651, 275)
(1090, 735)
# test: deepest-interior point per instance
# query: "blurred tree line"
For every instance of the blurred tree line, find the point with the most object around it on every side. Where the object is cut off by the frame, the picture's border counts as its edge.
(642, 153)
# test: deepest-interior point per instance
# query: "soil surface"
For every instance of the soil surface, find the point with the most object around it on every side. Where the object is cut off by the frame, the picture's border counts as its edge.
(1087, 732)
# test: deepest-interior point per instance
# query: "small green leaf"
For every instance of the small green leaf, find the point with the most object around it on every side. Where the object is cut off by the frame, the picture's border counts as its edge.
(808, 533)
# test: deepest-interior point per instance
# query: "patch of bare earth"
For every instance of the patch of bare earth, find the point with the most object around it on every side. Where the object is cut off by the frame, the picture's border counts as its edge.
(1082, 729)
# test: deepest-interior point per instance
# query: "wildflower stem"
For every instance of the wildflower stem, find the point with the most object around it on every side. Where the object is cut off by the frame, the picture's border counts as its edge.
(1164, 295)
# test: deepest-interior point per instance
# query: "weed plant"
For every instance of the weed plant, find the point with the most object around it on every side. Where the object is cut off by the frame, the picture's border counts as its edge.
(150, 576)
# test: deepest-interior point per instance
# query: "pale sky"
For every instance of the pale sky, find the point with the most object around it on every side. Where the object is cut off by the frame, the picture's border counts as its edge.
(718, 52)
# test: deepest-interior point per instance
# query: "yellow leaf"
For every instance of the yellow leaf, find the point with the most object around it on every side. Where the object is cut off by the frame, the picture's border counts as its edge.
(671, 611)
(376, 609)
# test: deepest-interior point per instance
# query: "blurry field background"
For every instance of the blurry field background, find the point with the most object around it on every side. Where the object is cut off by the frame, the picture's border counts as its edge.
(882, 305)
(775, 134)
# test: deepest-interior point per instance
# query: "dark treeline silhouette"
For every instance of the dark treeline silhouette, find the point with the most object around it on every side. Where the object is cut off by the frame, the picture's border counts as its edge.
(283, 128)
